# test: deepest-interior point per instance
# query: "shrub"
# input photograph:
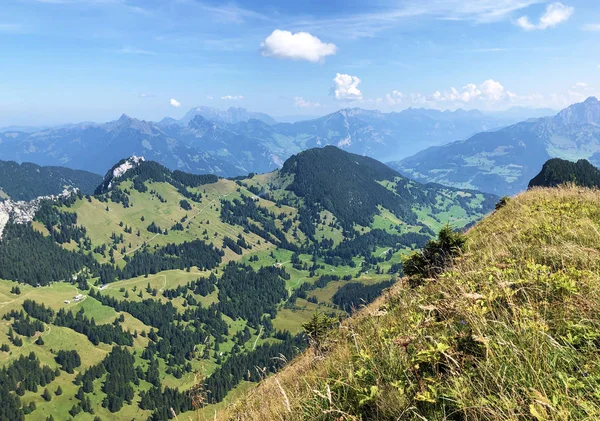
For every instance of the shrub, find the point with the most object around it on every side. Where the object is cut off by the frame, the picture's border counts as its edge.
(436, 256)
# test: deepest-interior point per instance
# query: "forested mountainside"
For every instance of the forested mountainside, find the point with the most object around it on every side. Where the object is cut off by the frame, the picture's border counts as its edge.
(236, 142)
(506, 330)
(163, 291)
(503, 161)
(559, 171)
(27, 181)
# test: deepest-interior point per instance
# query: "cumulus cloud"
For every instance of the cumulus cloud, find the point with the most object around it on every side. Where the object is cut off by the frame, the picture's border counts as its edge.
(345, 87)
(395, 97)
(303, 103)
(233, 97)
(298, 46)
(555, 13)
(490, 90)
(175, 103)
(592, 27)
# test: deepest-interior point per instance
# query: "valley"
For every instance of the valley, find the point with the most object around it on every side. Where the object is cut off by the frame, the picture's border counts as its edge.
(503, 161)
(178, 281)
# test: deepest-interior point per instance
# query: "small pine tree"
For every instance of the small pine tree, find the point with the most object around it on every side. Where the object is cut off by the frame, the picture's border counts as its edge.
(46, 395)
(58, 391)
(317, 327)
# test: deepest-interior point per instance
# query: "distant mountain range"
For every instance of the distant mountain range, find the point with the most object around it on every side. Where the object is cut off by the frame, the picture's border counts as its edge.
(27, 181)
(236, 141)
(503, 161)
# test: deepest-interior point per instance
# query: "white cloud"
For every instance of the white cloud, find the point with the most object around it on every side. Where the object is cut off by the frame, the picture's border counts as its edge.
(175, 103)
(303, 103)
(393, 98)
(555, 13)
(488, 94)
(135, 51)
(592, 27)
(232, 97)
(345, 87)
(490, 90)
(210, 97)
(298, 46)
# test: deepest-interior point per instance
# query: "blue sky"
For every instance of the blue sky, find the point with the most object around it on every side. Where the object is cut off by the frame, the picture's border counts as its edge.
(77, 60)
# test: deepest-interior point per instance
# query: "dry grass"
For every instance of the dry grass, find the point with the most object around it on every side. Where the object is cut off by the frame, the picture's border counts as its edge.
(511, 332)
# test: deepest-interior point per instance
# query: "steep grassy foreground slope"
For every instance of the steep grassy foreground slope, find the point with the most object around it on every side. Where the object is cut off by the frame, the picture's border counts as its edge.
(511, 332)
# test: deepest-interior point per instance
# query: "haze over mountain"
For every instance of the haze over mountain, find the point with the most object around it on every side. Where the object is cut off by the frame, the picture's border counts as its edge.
(503, 161)
(236, 141)
(232, 115)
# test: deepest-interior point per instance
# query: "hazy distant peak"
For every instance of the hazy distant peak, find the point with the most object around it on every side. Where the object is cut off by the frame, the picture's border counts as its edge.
(586, 112)
(232, 115)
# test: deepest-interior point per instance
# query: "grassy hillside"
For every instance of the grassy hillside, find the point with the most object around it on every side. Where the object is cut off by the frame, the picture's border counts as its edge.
(188, 279)
(510, 332)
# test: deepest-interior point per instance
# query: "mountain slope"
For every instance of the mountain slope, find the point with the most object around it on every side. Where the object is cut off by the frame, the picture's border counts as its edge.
(503, 161)
(559, 171)
(27, 181)
(163, 283)
(494, 338)
(353, 187)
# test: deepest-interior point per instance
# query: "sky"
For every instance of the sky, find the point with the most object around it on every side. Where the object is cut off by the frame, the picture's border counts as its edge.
(93, 60)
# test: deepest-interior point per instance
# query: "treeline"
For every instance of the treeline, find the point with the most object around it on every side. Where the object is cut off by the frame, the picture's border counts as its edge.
(353, 295)
(24, 374)
(364, 245)
(173, 340)
(106, 333)
(238, 212)
(120, 372)
(172, 256)
(201, 286)
(61, 225)
(29, 257)
(302, 290)
(248, 294)
(252, 366)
